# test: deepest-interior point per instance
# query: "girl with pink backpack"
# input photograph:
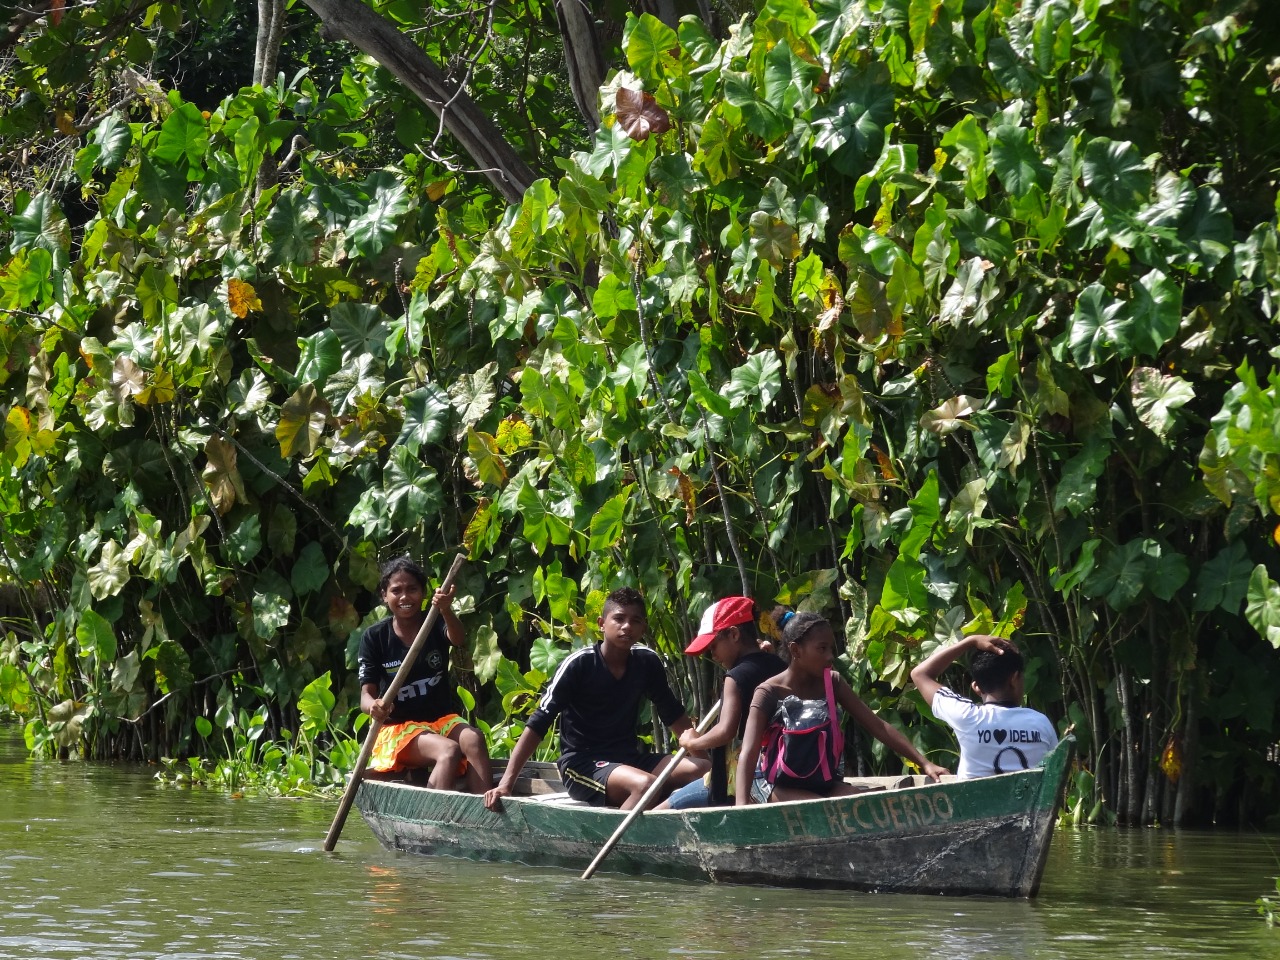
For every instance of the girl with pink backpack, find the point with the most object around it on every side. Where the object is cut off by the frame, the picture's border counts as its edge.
(793, 745)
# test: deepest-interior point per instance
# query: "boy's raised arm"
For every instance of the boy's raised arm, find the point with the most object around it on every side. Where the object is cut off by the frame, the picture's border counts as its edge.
(925, 675)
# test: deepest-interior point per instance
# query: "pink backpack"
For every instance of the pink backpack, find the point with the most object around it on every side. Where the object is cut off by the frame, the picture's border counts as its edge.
(805, 742)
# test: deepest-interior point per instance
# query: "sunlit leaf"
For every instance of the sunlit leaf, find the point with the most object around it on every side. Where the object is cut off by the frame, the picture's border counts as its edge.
(241, 297)
(1156, 397)
(639, 114)
(109, 575)
(390, 200)
(412, 488)
(758, 380)
(1114, 172)
(302, 422)
(949, 416)
(244, 541)
(95, 636)
(483, 450)
(271, 610)
(607, 522)
(1263, 608)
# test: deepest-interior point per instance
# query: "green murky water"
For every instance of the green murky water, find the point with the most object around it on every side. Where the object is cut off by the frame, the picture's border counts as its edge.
(98, 862)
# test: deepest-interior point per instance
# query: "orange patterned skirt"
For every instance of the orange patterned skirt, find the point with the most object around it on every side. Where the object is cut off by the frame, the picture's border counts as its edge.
(393, 738)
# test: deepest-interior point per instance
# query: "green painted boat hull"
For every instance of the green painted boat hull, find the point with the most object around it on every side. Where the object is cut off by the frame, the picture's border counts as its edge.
(987, 836)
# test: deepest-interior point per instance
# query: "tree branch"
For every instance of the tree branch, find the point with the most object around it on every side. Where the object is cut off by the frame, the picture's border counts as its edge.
(478, 135)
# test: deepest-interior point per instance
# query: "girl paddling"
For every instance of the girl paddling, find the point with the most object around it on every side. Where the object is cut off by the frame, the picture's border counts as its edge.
(420, 728)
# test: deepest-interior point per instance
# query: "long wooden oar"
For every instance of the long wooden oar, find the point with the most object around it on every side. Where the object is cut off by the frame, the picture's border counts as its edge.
(392, 689)
(654, 787)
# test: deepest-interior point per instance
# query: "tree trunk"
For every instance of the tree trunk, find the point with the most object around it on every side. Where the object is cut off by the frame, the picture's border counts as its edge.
(583, 57)
(1182, 810)
(477, 134)
(1132, 802)
(267, 50)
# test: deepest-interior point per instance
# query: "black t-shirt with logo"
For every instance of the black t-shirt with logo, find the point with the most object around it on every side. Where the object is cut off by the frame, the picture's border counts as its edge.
(426, 693)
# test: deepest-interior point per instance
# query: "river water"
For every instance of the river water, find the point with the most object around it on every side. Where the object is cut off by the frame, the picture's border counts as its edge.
(97, 861)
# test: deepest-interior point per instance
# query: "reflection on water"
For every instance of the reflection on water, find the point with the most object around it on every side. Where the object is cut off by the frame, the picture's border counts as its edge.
(97, 862)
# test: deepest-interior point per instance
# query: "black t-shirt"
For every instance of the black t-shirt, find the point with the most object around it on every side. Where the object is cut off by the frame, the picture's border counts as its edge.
(598, 711)
(426, 693)
(748, 673)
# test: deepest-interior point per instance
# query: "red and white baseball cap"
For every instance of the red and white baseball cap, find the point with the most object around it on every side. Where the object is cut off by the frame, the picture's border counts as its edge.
(728, 612)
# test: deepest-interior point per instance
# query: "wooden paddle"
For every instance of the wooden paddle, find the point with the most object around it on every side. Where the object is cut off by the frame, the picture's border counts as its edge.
(654, 787)
(392, 689)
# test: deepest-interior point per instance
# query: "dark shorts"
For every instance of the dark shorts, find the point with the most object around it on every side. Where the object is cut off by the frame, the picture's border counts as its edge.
(585, 777)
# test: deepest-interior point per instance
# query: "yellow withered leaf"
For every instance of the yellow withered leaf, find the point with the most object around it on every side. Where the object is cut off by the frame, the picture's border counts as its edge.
(241, 297)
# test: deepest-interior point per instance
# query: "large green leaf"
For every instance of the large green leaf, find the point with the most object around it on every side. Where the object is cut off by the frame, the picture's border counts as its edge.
(109, 575)
(851, 126)
(95, 636)
(315, 705)
(310, 571)
(361, 328)
(412, 488)
(1153, 316)
(427, 411)
(1078, 489)
(184, 139)
(42, 225)
(1263, 609)
(1115, 173)
(292, 231)
(758, 380)
(389, 200)
(1157, 397)
(649, 43)
(271, 610)
(788, 80)
(244, 542)
(925, 512)
(1121, 576)
(113, 137)
(320, 358)
(607, 522)
(486, 654)
(1224, 580)
(473, 395)
(1096, 326)
(905, 594)
(1016, 161)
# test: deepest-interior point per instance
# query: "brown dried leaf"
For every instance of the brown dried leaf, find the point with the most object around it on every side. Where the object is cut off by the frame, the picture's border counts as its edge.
(639, 114)
(685, 486)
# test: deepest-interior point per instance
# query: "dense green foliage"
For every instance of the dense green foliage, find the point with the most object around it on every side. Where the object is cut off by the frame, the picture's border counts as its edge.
(935, 316)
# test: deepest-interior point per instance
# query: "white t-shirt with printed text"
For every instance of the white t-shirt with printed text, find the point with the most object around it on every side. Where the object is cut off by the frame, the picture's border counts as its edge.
(994, 739)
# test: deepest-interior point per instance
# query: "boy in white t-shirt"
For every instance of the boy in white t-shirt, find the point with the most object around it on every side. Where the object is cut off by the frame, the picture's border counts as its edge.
(999, 735)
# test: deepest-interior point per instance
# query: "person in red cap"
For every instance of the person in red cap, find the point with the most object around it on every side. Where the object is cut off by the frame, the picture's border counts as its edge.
(728, 634)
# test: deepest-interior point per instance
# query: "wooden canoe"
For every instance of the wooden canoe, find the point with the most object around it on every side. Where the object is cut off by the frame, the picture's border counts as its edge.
(985, 836)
